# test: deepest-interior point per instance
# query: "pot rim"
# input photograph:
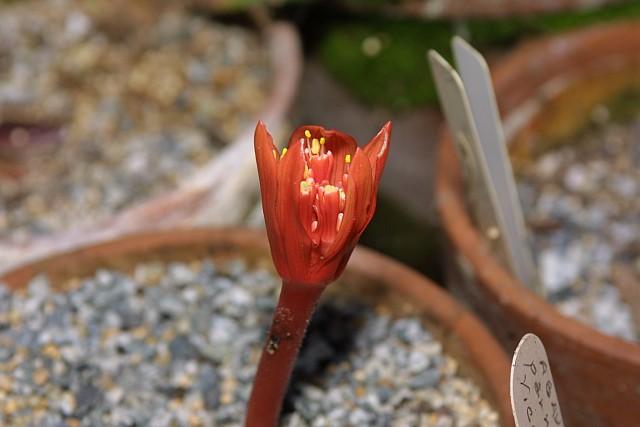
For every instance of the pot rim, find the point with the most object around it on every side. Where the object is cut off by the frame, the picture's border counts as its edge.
(483, 8)
(503, 287)
(486, 355)
(192, 198)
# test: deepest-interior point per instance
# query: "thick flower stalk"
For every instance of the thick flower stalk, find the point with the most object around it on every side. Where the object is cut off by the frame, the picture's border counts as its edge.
(318, 195)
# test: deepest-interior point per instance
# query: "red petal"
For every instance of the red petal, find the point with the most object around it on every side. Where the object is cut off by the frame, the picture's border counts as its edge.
(331, 136)
(296, 243)
(298, 134)
(357, 212)
(361, 174)
(377, 150)
(266, 158)
(267, 173)
(340, 144)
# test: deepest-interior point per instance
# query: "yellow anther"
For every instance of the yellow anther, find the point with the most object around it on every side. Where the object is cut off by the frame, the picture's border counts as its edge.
(275, 154)
(330, 189)
(305, 187)
(347, 158)
(315, 146)
(284, 151)
(307, 133)
(322, 140)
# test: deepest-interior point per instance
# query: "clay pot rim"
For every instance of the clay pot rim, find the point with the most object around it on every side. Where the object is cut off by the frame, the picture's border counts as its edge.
(484, 9)
(187, 200)
(502, 286)
(486, 355)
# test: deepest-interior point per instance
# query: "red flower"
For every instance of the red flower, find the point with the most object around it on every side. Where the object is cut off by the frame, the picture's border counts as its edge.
(318, 196)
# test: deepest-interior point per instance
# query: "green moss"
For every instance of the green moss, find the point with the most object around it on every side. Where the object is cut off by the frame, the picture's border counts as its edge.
(397, 75)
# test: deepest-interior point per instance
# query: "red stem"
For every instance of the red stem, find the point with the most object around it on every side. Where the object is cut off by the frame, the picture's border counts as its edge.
(295, 307)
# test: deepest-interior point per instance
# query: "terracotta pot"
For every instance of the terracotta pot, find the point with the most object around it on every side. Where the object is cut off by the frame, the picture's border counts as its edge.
(436, 8)
(368, 273)
(210, 195)
(484, 8)
(598, 376)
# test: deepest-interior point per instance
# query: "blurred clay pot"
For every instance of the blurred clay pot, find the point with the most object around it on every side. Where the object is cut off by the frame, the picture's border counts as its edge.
(209, 196)
(598, 376)
(435, 8)
(371, 277)
(479, 8)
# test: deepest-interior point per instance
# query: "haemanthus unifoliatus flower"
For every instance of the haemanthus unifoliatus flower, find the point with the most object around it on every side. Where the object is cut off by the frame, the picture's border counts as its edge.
(318, 195)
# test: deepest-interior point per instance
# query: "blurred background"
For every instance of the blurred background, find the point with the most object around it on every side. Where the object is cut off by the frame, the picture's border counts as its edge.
(120, 117)
(123, 114)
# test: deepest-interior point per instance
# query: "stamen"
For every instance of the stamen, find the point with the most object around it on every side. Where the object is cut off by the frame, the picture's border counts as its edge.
(275, 154)
(305, 187)
(315, 146)
(322, 193)
(328, 189)
(284, 151)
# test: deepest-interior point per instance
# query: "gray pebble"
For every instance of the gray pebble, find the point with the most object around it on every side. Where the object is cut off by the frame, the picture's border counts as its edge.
(582, 200)
(426, 379)
(155, 359)
(182, 348)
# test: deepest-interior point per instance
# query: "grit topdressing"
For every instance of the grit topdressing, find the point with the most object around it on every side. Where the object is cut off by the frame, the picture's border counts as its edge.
(177, 345)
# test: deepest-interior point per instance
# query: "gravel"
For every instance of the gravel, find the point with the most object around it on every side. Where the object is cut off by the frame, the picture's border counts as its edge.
(141, 101)
(583, 204)
(176, 344)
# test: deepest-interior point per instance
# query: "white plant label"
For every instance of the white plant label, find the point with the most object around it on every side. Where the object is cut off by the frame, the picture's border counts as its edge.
(476, 78)
(492, 207)
(533, 393)
(480, 194)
